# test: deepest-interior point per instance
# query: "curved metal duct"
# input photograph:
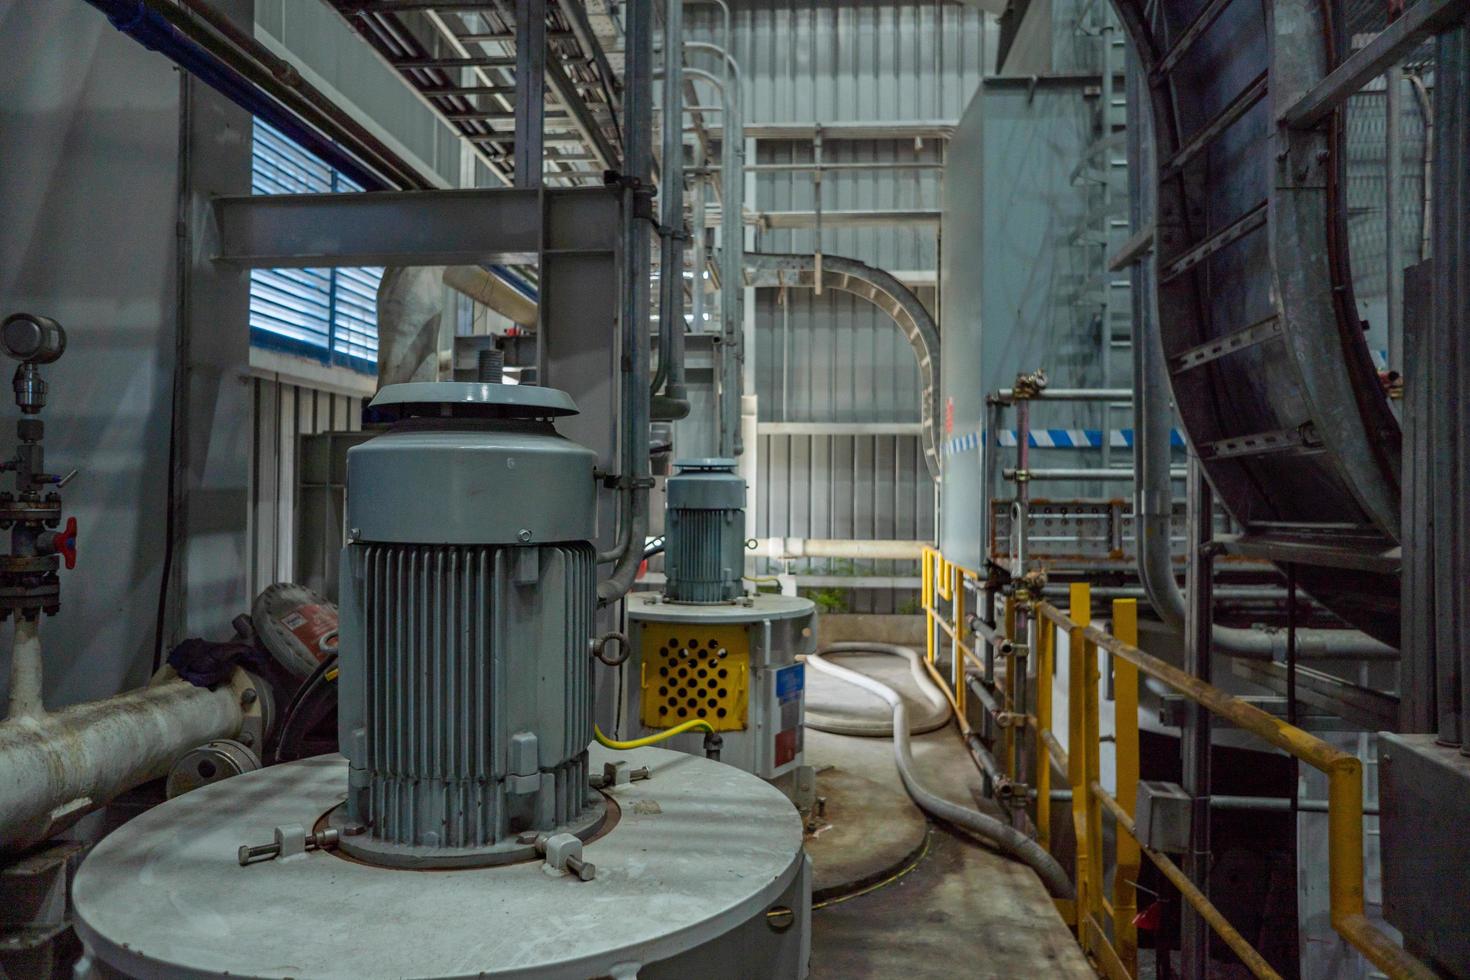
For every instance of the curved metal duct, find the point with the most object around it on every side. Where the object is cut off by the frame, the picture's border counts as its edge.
(883, 291)
(1270, 371)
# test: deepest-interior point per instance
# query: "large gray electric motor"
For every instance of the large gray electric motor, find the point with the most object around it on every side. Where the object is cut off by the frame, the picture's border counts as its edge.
(704, 551)
(469, 587)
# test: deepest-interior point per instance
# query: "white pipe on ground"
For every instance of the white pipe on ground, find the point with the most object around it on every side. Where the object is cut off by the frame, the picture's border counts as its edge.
(788, 548)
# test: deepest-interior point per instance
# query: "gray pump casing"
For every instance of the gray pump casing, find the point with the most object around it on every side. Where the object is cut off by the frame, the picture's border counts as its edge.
(469, 589)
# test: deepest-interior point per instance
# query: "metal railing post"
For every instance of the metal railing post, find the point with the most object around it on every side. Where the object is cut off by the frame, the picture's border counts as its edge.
(1008, 692)
(1045, 654)
(1195, 742)
(1080, 614)
(926, 598)
(1128, 855)
(1091, 749)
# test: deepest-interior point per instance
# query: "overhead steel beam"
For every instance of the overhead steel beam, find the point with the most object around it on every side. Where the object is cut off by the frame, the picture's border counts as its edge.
(449, 227)
(1418, 22)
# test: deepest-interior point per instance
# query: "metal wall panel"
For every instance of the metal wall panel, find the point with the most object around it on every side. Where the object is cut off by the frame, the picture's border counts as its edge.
(896, 248)
(834, 357)
(854, 60)
(830, 486)
(90, 124)
(281, 413)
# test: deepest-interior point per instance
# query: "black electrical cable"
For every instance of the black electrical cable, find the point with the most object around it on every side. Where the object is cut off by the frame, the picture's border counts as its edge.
(306, 709)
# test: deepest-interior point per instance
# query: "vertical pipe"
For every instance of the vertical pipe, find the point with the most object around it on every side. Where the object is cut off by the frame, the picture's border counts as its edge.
(671, 195)
(1021, 514)
(700, 260)
(634, 298)
(1105, 126)
(25, 670)
(1195, 939)
(1393, 187)
(732, 246)
(1452, 272)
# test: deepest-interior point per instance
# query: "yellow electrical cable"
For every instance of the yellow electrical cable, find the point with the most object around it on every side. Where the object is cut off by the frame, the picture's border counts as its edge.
(638, 743)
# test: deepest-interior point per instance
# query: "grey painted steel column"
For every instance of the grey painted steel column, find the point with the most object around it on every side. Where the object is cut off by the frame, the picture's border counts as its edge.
(1195, 741)
(634, 302)
(1450, 391)
(671, 194)
(530, 89)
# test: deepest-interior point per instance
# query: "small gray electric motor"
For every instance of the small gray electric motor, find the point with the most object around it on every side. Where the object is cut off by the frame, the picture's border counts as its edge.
(469, 589)
(704, 550)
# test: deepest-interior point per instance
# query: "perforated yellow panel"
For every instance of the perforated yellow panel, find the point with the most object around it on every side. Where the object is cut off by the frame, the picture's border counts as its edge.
(695, 671)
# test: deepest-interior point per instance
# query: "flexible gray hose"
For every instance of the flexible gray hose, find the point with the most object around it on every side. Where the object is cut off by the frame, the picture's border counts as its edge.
(883, 727)
(1002, 835)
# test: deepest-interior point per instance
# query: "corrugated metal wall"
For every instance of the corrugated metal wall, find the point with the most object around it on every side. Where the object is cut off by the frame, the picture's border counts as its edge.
(834, 358)
(282, 412)
(808, 60)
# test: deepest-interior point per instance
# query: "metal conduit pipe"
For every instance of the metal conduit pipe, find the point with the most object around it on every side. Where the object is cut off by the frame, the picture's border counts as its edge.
(673, 401)
(1000, 834)
(1034, 475)
(789, 548)
(57, 767)
(1277, 804)
(731, 266)
(732, 243)
(1008, 395)
(636, 471)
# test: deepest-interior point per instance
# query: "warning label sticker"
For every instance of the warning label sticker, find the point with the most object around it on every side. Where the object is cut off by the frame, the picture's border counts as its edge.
(790, 683)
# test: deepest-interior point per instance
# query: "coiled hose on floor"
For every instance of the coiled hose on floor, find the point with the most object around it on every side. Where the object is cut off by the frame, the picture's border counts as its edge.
(1002, 835)
(882, 727)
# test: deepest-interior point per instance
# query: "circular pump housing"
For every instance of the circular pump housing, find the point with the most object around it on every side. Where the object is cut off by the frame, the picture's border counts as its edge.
(704, 540)
(469, 589)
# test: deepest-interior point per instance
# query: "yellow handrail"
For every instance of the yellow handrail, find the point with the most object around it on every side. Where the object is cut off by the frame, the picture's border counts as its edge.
(944, 581)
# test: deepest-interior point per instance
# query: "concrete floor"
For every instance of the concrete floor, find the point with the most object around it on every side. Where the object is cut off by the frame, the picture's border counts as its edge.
(964, 911)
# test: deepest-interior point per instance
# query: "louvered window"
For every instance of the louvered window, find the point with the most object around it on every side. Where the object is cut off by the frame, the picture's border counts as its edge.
(329, 315)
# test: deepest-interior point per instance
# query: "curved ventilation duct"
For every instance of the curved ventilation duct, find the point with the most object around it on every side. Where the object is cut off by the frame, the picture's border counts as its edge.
(883, 291)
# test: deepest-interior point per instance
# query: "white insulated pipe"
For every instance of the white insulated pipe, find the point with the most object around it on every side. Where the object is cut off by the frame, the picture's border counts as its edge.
(789, 548)
(25, 671)
(55, 767)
